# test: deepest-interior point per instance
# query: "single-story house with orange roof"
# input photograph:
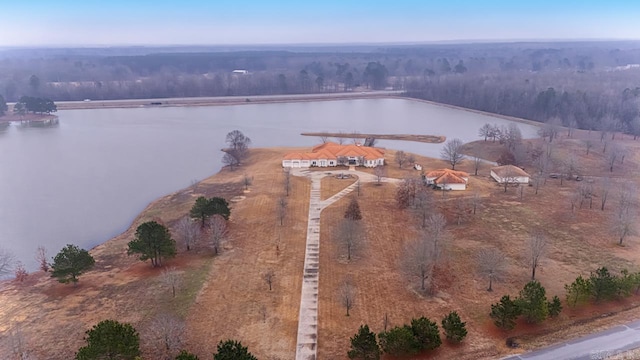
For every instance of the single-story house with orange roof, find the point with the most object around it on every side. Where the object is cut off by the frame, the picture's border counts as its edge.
(509, 173)
(447, 179)
(332, 154)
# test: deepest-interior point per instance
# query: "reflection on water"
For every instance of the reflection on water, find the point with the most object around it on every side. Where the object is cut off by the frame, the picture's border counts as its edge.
(85, 181)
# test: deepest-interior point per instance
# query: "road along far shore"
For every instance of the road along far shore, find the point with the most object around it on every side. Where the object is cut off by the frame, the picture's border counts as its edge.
(218, 100)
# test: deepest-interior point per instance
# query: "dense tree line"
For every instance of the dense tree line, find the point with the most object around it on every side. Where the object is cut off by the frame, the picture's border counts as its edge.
(584, 82)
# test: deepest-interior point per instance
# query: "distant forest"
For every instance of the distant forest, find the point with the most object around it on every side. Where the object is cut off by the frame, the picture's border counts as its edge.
(591, 85)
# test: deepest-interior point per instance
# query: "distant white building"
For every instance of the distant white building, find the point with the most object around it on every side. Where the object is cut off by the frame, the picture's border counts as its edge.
(510, 174)
(240, 72)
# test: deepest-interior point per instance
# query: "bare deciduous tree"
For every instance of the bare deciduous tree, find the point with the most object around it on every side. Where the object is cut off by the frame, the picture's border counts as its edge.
(461, 210)
(380, 172)
(7, 260)
(589, 144)
(218, 232)
(347, 294)
(189, 231)
(411, 159)
(287, 180)
(423, 204)
(400, 158)
(171, 278)
(268, 277)
(535, 250)
(263, 312)
(476, 164)
(614, 153)
(623, 225)
(165, 336)
(41, 258)
(604, 192)
(624, 219)
(20, 272)
(281, 209)
(17, 345)
(586, 193)
(349, 235)
(452, 152)
(247, 180)
(491, 263)
(476, 199)
(230, 160)
(435, 231)
(406, 193)
(418, 261)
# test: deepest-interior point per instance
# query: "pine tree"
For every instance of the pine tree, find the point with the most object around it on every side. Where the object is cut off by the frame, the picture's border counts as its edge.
(533, 302)
(454, 329)
(578, 291)
(426, 333)
(232, 350)
(505, 313)
(364, 345)
(603, 285)
(554, 306)
(153, 241)
(399, 341)
(70, 263)
(110, 339)
(185, 355)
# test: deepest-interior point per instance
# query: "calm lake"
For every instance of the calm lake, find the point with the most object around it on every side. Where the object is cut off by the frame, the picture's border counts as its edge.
(83, 181)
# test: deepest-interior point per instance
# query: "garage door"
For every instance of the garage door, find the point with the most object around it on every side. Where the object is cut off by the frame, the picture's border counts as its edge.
(295, 164)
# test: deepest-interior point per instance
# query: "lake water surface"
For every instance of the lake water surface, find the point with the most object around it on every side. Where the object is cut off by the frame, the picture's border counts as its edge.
(83, 181)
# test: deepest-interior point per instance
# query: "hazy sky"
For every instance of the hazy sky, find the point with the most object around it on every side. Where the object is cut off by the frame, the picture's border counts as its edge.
(131, 22)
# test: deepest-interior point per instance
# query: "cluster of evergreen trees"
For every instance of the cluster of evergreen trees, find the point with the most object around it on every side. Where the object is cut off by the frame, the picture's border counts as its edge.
(421, 335)
(35, 105)
(531, 303)
(601, 285)
(110, 339)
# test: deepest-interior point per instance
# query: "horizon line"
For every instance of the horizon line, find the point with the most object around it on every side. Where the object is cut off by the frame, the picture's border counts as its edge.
(326, 44)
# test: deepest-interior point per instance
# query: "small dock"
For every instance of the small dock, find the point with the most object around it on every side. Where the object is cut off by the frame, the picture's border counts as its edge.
(370, 138)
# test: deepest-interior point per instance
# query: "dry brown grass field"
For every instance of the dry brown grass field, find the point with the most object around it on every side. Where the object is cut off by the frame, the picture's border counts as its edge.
(225, 296)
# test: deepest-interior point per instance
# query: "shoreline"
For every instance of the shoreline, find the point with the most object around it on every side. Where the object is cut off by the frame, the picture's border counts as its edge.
(260, 99)
(27, 118)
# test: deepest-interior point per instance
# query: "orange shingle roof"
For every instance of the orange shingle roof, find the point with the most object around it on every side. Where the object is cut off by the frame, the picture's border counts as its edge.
(441, 172)
(330, 150)
(447, 176)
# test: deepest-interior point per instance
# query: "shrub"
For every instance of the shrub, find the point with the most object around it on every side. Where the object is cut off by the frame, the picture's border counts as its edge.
(554, 306)
(505, 313)
(426, 333)
(399, 341)
(454, 329)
